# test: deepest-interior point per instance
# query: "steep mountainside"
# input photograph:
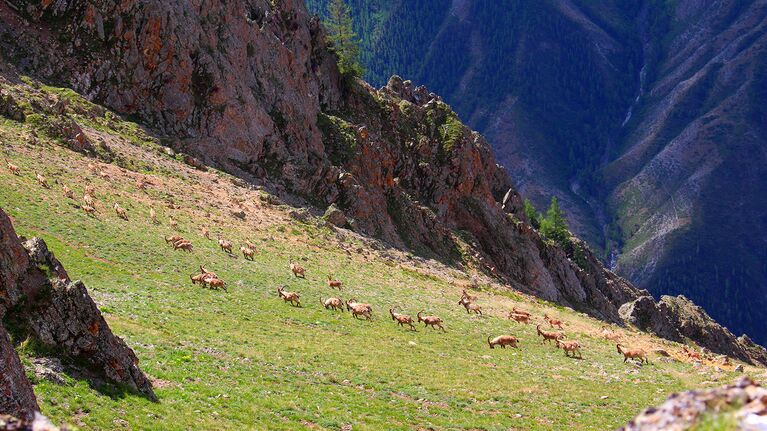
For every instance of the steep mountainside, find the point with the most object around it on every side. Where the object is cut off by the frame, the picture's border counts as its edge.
(125, 122)
(646, 120)
(245, 359)
(689, 179)
(416, 177)
(261, 97)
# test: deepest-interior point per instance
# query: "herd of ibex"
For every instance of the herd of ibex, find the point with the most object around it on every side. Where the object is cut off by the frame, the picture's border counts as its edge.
(359, 310)
(210, 280)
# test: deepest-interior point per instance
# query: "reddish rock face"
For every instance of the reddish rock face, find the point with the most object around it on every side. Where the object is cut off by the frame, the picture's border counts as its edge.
(233, 85)
(16, 396)
(13, 264)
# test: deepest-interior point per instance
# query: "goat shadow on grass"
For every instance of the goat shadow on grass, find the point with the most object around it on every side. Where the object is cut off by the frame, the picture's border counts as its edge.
(580, 358)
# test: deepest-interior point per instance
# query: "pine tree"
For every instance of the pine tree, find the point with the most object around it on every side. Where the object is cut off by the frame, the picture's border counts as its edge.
(531, 213)
(344, 39)
(554, 226)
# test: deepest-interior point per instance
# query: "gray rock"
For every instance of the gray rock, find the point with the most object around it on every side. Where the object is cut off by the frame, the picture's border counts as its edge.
(10, 109)
(645, 314)
(743, 399)
(300, 214)
(49, 369)
(335, 216)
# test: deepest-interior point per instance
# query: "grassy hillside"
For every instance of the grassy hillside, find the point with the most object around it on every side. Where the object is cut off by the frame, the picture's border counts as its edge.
(246, 360)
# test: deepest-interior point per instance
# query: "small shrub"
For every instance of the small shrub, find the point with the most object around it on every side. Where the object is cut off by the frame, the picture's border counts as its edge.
(338, 136)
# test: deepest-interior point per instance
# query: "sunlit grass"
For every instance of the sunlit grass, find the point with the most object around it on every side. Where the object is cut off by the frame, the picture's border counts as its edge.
(246, 360)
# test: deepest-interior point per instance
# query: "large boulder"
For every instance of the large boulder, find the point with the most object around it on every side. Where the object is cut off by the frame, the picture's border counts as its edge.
(66, 318)
(335, 216)
(60, 314)
(645, 314)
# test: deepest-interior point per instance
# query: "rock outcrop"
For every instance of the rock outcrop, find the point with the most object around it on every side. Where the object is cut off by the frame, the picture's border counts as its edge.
(693, 322)
(38, 297)
(677, 318)
(252, 88)
(65, 317)
(649, 316)
(742, 405)
(38, 423)
(16, 395)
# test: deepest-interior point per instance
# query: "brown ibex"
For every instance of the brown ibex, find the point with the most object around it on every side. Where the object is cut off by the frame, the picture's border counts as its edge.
(503, 341)
(632, 353)
(548, 336)
(433, 321)
(402, 319)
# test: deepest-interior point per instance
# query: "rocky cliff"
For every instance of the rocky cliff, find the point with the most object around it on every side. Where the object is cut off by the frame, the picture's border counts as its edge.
(241, 86)
(646, 119)
(37, 299)
(254, 89)
(678, 318)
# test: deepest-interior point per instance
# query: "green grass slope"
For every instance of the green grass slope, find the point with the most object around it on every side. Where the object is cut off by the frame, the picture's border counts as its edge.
(247, 360)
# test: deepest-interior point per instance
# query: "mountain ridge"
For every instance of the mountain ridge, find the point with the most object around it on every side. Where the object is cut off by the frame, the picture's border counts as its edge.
(383, 189)
(643, 120)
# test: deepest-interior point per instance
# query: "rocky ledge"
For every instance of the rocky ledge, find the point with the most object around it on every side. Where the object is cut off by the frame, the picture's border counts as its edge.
(39, 300)
(678, 318)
